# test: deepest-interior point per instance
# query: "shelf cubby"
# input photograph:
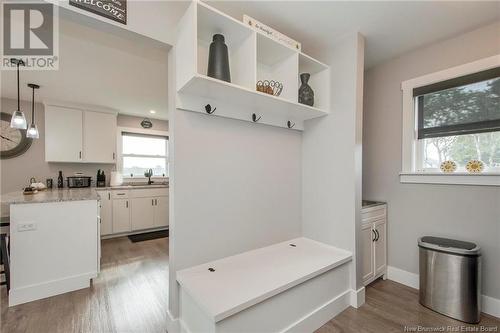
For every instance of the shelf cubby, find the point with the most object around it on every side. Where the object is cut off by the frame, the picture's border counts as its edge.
(252, 57)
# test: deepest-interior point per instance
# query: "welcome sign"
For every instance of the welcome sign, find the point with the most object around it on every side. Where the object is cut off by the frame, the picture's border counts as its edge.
(115, 10)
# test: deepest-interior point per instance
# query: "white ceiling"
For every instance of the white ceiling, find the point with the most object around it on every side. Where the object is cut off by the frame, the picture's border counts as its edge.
(110, 68)
(391, 28)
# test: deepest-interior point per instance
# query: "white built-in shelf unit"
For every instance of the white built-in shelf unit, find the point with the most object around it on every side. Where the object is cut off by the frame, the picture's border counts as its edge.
(253, 56)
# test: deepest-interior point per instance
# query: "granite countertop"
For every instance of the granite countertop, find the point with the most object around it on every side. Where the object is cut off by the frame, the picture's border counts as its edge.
(54, 195)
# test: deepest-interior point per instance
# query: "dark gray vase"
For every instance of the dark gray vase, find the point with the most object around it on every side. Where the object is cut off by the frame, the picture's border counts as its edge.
(306, 94)
(218, 59)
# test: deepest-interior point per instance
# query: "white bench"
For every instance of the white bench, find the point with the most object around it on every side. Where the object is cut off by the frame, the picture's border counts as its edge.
(291, 286)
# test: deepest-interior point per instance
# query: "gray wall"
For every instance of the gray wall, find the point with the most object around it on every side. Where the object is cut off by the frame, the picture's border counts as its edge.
(16, 172)
(463, 212)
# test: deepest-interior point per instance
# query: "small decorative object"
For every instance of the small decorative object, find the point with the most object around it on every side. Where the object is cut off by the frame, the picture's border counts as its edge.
(146, 123)
(270, 32)
(49, 183)
(60, 180)
(218, 59)
(474, 166)
(101, 178)
(29, 190)
(448, 166)
(306, 94)
(270, 87)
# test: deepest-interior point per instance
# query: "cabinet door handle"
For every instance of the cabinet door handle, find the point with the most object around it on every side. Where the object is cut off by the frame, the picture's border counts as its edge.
(152, 202)
(126, 203)
(113, 156)
(156, 202)
(80, 154)
(374, 239)
(378, 235)
(109, 196)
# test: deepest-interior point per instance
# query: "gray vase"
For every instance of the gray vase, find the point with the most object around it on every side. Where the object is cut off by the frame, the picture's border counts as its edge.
(218, 59)
(306, 94)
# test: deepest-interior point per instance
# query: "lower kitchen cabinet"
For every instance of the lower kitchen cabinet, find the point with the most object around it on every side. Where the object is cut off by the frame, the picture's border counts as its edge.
(143, 213)
(106, 213)
(374, 244)
(121, 215)
(161, 212)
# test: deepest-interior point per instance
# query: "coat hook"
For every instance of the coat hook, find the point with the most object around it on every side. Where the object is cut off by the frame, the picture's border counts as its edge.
(289, 124)
(254, 118)
(208, 109)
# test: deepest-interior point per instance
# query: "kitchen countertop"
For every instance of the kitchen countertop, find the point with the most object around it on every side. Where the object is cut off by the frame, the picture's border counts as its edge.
(54, 195)
(68, 194)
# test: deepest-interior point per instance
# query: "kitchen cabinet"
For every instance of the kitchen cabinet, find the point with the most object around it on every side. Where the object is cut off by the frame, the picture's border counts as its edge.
(121, 215)
(161, 212)
(77, 135)
(143, 213)
(373, 243)
(63, 134)
(106, 213)
(99, 137)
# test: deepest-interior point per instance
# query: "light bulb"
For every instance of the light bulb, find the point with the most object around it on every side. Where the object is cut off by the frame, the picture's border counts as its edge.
(18, 120)
(32, 132)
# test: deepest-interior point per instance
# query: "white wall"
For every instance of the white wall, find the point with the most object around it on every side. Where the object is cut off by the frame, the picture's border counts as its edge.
(331, 155)
(237, 187)
(462, 212)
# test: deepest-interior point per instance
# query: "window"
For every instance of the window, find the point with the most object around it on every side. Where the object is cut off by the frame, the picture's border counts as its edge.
(459, 120)
(453, 115)
(141, 152)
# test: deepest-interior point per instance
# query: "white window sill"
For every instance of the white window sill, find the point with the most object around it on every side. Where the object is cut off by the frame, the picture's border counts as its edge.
(483, 179)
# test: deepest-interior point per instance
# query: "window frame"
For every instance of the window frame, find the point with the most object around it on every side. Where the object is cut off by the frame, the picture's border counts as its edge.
(412, 148)
(138, 131)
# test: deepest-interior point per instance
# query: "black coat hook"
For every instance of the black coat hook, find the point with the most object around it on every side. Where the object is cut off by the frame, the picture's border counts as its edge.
(208, 109)
(254, 118)
(289, 124)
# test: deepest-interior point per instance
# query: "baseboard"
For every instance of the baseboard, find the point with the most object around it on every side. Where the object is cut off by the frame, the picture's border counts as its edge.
(489, 304)
(173, 324)
(358, 297)
(321, 315)
(48, 289)
(404, 277)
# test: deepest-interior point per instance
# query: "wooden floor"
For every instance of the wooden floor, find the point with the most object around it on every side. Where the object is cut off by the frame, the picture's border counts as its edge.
(130, 296)
(390, 307)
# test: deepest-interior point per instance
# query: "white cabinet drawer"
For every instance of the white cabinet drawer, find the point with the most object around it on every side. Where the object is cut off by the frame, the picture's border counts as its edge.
(120, 194)
(145, 193)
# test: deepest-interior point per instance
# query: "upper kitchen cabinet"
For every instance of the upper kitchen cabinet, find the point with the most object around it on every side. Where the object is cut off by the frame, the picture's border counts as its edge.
(253, 58)
(77, 135)
(99, 137)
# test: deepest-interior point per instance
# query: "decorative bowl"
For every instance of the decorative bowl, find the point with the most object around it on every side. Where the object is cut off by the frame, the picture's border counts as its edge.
(474, 166)
(448, 166)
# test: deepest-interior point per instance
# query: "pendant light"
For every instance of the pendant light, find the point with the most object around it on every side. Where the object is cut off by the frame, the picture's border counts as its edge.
(32, 131)
(18, 119)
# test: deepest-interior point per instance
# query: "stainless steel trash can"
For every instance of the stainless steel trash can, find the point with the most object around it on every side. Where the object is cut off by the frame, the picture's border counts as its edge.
(450, 277)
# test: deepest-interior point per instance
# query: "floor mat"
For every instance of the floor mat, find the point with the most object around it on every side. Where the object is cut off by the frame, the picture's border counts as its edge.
(148, 236)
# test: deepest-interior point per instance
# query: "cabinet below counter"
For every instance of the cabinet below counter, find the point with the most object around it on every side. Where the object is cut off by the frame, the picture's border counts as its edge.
(126, 210)
(373, 241)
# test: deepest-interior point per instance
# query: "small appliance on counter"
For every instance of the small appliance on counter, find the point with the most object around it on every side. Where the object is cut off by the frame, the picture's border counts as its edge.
(101, 178)
(79, 181)
(49, 183)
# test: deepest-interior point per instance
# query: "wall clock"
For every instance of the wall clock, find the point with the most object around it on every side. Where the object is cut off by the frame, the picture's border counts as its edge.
(13, 141)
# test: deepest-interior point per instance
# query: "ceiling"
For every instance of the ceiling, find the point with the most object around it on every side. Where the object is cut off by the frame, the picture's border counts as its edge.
(391, 28)
(110, 68)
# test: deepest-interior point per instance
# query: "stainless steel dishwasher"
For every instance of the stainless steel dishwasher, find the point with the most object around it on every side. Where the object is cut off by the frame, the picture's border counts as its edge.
(450, 277)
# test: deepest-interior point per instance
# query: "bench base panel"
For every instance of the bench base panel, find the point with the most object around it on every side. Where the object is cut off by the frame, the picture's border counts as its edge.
(302, 308)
